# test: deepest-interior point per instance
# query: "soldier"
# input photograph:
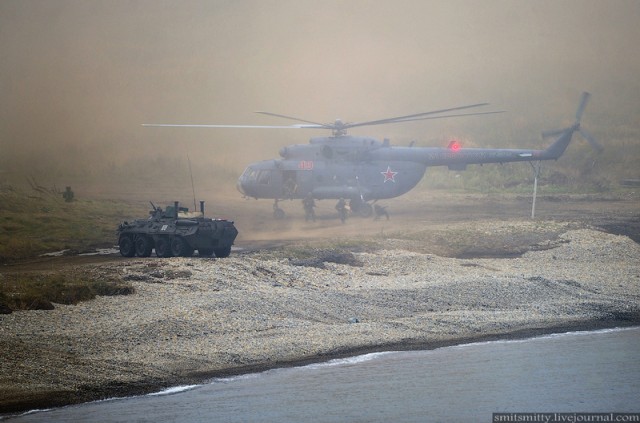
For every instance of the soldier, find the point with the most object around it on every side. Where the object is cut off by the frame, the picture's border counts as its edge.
(342, 209)
(156, 213)
(68, 195)
(309, 203)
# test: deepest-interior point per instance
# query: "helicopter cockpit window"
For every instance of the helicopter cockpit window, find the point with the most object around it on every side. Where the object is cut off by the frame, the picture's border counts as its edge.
(264, 177)
(249, 174)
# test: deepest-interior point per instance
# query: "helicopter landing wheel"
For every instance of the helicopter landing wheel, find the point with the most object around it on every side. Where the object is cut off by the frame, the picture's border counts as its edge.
(361, 208)
(365, 210)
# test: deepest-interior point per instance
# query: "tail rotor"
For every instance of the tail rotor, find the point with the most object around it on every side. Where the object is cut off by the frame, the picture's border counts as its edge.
(583, 103)
(576, 126)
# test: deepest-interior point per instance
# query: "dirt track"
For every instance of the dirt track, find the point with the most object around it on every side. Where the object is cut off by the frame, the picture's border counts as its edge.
(428, 217)
(619, 214)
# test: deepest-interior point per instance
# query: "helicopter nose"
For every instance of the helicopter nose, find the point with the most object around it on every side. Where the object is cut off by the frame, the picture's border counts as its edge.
(239, 187)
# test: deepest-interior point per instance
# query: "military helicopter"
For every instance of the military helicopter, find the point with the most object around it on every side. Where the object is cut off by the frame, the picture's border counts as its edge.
(364, 170)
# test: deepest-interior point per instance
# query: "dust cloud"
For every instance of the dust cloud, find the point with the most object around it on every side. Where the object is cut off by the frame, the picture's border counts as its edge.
(78, 78)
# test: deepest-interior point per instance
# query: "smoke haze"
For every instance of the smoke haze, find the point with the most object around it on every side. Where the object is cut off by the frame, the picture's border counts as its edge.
(78, 77)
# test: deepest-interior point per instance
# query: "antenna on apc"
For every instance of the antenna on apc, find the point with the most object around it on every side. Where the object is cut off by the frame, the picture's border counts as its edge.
(193, 188)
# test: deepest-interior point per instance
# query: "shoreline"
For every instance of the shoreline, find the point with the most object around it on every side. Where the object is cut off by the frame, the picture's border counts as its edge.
(191, 320)
(425, 345)
(144, 388)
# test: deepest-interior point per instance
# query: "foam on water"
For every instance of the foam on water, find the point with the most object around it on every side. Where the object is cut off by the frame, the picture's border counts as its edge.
(542, 337)
(347, 361)
(239, 377)
(314, 366)
(174, 390)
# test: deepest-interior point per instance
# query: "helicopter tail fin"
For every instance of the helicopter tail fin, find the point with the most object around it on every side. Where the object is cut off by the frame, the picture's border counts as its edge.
(556, 149)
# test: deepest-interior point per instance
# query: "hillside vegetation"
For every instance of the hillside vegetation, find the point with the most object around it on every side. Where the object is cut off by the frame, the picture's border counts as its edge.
(39, 221)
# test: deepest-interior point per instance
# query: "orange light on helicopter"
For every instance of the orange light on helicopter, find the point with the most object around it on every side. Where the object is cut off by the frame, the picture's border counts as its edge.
(454, 145)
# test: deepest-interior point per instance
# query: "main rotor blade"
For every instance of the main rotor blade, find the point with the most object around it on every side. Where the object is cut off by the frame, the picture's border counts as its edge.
(448, 116)
(172, 125)
(337, 126)
(410, 117)
(322, 125)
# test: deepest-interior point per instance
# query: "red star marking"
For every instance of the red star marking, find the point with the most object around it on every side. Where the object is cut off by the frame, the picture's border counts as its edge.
(389, 175)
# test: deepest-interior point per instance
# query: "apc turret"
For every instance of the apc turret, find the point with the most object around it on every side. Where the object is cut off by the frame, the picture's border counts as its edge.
(176, 232)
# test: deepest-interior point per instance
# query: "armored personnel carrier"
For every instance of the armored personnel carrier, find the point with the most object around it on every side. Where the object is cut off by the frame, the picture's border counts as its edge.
(177, 232)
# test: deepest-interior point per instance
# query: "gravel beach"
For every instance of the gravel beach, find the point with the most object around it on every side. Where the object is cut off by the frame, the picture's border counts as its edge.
(191, 319)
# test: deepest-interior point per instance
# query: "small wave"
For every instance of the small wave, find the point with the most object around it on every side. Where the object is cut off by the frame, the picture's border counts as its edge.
(547, 336)
(331, 363)
(174, 390)
(26, 413)
(590, 332)
(348, 360)
(238, 377)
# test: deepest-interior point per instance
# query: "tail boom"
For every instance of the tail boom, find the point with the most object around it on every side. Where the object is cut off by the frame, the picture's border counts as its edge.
(459, 158)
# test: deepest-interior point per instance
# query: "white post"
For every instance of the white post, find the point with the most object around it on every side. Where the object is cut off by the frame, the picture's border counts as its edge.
(536, 172)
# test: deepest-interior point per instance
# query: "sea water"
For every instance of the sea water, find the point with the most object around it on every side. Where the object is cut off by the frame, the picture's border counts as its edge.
(596, 371)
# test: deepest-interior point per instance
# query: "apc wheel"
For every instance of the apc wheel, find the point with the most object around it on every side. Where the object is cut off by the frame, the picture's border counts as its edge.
(205, 252)
(222, 252)
(163, 247)
(278, 214)
(180, 248)
(127, 249)
(143, 246)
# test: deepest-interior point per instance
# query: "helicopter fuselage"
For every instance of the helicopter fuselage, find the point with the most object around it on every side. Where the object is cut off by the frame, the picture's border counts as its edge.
(332, 167)
(364, 168)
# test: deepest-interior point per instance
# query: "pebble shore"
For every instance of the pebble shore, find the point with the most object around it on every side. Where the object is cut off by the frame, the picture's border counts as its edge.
(191, 319)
